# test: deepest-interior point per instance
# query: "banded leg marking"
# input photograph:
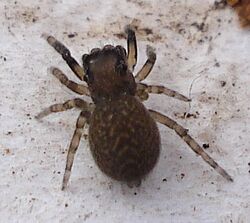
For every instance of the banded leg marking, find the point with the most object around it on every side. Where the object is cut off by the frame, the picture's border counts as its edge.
(183, 133)
(66, 55)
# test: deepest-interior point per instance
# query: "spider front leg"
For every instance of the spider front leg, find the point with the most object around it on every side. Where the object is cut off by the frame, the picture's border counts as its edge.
(131, 48)
(143, 89)
(81, 121)
(74, 103)
(148, 66)
(183, 133)
(65, 53)
(77, 88)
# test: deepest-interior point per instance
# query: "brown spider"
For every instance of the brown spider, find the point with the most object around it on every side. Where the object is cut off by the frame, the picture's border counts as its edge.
(123, 135)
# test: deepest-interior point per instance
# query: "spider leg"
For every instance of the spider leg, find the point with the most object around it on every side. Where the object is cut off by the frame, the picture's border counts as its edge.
(131, 48)
(65, 53)
(143, 89)
(74, 103)
(183, 133)
(147, 67)
(77, 88)
(81, 121)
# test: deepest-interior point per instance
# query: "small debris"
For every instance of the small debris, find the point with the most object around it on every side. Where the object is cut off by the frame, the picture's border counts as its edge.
(187, 115)
(71, 35)
(9, 133)
(220, 4)
(120, 35)
(217, 64)
(200, 27)
(66, 205)
(182, 175)
(7, 151)
(164, 180)
(223, 83)
(147, 31)
(205, 145)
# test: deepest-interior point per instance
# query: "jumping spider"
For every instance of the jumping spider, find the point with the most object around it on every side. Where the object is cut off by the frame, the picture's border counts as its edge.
(123, 135)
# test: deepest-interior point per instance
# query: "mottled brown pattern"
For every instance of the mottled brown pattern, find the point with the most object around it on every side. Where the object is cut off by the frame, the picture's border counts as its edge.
(133, 150)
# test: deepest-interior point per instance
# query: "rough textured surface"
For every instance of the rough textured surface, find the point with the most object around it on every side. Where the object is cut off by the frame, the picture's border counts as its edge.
(196, 46)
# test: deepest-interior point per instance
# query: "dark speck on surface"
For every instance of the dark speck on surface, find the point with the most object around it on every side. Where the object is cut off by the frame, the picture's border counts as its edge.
(182, 175)
(217, 64)
(148, 31)
(200, 27)
(220, 4)
(71, 35)
(205, 145)
(223, 83)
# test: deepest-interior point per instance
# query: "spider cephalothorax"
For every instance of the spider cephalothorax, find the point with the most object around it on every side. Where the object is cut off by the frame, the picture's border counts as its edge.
(107, 73)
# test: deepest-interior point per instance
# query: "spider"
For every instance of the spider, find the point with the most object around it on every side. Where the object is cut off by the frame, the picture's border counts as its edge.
(123, 135)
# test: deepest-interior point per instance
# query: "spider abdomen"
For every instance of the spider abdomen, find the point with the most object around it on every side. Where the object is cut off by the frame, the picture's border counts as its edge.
(124, 139)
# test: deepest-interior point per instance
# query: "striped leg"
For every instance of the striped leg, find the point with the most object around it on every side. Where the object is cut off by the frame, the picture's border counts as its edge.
(147, 67)
(77, 88)
(131, 48)
(82, 119)
(183, 133)
(65, 53)
(144, 89)
(75, 103)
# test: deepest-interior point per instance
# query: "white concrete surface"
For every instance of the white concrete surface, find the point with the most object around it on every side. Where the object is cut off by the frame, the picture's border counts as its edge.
(33, 154)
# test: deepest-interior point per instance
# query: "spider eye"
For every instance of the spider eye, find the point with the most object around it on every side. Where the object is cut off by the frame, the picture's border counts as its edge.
(85, 58)
(88, 77)
(121, 68)
(121, 51)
